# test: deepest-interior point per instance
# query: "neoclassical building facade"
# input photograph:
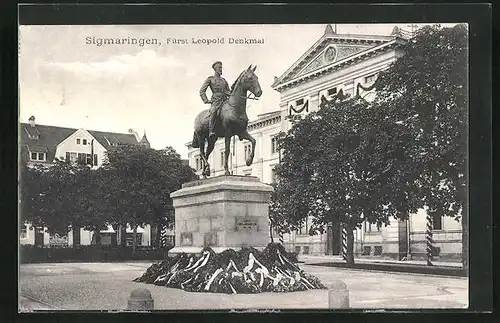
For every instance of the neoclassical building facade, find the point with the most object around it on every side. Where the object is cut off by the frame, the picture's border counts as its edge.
(334, 63)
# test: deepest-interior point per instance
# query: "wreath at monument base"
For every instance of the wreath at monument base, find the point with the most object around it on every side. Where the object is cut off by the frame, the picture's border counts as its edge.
(247, 271)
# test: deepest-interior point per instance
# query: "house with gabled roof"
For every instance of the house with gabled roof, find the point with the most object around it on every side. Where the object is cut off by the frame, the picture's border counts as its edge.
(43, 144)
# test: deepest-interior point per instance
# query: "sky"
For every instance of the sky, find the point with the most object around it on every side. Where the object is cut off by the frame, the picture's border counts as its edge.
(64, 81)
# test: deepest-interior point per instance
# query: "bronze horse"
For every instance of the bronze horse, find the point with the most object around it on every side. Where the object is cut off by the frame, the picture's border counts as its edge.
(232, 120)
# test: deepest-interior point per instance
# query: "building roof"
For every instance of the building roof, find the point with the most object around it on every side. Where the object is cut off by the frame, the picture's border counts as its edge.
(347, 48)
(264, 120)
(109, 139)
(50, 136)
(267, 114)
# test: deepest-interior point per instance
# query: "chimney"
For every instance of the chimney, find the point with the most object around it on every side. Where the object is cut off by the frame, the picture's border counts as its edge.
(32, 121)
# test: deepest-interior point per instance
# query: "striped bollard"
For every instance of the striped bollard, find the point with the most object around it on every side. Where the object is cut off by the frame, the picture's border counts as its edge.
(163, 236)
(429, 241)
(344, 242)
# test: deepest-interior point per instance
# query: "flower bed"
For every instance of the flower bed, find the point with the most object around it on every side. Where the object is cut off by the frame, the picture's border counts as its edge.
(243, 272)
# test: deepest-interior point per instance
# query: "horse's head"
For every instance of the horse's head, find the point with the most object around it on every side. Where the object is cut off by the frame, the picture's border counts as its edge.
(250, 81)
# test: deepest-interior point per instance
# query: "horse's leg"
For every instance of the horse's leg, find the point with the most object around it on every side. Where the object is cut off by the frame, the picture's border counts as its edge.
(226, 151)
(246, 135)
(203, 157)
(210, 148)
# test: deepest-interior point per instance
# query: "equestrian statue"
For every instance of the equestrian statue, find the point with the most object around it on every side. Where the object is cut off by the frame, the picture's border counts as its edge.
(227, 115)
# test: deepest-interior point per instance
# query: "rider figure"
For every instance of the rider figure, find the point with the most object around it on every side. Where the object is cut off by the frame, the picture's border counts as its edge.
(220, 92)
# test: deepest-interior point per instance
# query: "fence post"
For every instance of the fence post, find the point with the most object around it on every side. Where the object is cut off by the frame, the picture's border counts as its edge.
(140, 299)
(338, 295)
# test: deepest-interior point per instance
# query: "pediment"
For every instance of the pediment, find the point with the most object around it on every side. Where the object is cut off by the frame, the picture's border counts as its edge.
(331, 54)
(329, 49)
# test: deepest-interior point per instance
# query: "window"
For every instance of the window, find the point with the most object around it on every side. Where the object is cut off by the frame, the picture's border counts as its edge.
(71, 157)
(297, 249)
(248, 151)
(367, 250)
(82, 158)
(437, 222)
(88, 160)
(24, 232)
(38, 156)
(222, 158)
(78, 141)
(369, 227)
(84, 141)
(299, 102)
(306, 250)
(130, 239)
(274, 145)
(377, 251)
(76, 236)
(370, 78)
(199, 163)
(95, 159)
(304, 228)
(349, 91)
(273, 176)
(332, 91)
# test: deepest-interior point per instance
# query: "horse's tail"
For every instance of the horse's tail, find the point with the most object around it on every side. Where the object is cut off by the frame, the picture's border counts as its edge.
(196, 141)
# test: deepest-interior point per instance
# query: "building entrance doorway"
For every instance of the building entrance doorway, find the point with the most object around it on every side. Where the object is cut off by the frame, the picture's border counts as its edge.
(39, 236)
(333, 239)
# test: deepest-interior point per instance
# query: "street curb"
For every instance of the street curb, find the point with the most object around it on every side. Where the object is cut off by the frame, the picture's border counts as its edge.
(412, 269)
(49, 307)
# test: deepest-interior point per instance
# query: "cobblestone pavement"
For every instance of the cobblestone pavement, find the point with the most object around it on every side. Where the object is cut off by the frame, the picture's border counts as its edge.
(107, 286)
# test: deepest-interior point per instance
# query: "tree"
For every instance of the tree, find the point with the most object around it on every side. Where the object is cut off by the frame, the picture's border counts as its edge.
(61, 196)
(141, 180)
(329, 171)
(31, 190)
(92, 194)
(278, 219)
(426, 92)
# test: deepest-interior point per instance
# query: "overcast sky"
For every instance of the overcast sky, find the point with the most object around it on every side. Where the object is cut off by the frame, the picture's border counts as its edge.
(66, 82)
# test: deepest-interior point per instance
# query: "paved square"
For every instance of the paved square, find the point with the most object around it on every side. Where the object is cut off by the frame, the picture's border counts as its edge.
(107, 286)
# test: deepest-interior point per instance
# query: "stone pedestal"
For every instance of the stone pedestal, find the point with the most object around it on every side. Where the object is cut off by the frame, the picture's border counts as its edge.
(221, 212)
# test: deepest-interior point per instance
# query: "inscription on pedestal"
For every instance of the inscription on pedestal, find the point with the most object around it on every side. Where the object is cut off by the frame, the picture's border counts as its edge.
(186, 239)
(247, 223)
